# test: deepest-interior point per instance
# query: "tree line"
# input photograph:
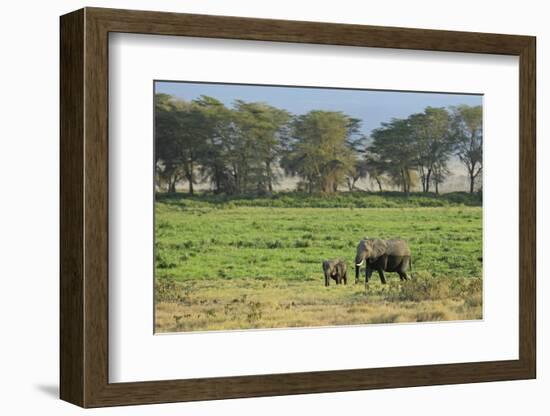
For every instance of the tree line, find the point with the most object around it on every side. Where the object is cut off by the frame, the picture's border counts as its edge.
(248, 147)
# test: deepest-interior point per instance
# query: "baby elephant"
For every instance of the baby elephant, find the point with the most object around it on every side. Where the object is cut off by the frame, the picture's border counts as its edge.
(335, 269)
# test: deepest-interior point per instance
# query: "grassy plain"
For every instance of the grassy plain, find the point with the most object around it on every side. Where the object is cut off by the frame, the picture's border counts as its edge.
(235, 263)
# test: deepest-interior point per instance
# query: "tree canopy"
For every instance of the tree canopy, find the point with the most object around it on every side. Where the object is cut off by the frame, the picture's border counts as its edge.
(319, 150)
(247, 147)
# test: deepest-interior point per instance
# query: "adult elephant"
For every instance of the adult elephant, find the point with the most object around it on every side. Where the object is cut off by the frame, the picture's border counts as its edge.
(383, 256)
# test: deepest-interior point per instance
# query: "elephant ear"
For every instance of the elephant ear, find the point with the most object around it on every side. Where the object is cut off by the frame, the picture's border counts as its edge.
(378, 248)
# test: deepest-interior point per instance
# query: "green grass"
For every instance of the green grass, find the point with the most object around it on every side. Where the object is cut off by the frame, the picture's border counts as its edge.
(340, 200)
(217, 249)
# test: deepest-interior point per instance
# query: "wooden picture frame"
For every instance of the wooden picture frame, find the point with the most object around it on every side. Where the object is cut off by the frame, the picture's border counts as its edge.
(84, 207)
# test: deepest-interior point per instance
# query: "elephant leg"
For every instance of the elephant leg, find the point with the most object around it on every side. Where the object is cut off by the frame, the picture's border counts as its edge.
(403, 270)
(406, 268)
(345, 278)
(368, 274)
(327, 280)
(405, 275)
(382, 277)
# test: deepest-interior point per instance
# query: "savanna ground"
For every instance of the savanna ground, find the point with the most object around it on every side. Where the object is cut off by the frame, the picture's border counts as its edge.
(237, 263)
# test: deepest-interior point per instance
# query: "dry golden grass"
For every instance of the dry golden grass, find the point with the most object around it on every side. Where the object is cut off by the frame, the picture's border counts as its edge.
(204, 305)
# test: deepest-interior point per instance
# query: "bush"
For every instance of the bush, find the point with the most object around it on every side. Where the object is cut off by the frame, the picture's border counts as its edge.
(474, 301)
(430, 288)
(418, 289)
(432, 316)
(275, 244)
(167, 290)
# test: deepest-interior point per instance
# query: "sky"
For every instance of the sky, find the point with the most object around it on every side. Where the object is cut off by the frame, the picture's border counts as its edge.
(371, 106)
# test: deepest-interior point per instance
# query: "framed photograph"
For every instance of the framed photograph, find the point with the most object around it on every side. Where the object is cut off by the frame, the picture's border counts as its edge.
(255, 207)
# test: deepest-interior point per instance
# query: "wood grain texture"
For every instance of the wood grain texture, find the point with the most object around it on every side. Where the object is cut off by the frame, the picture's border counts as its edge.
(527, 208)
(71, 100)
(84, 207)
(162, 23)
(96, 208)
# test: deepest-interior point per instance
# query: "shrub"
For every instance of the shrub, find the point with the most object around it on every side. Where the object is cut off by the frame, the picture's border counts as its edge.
(164, 260)
(474, 301)
(385, 318)
(275, 244)
(418, 289)
(167, 290)
(431, 316)
(254, 312)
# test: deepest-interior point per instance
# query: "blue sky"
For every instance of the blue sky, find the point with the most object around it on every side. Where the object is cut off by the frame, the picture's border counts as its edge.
(372, 107)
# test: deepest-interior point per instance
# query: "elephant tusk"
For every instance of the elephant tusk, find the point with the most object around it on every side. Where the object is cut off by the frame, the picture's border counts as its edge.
(360, 264)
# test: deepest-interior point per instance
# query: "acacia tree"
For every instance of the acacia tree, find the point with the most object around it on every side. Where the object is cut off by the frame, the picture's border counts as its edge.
(440, 174)
(262, 128)
(468, 139)
(359, 171)
(192, 122)
(375, 169)
(356, 142)
(168, 167)
(430, 132)
(319, 151)
(241, 145)
(217, 163)
(185, 132)
(393, 152)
